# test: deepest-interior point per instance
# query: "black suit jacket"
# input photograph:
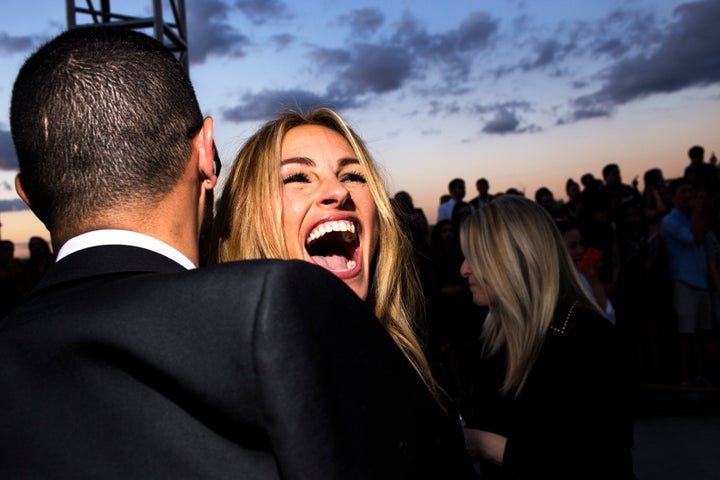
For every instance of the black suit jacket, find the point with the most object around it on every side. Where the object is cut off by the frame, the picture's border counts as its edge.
(574, 417)
(124, 365)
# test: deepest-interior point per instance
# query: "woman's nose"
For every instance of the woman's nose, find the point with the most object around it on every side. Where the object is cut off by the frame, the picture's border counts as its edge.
(465, 269)
(334, 193)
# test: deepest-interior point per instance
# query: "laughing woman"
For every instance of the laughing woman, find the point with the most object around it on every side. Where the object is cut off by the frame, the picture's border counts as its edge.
(305, 187)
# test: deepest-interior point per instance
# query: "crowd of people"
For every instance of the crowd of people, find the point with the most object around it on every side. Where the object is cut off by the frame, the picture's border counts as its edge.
(308, 325)
(18, 276)
(649, 256)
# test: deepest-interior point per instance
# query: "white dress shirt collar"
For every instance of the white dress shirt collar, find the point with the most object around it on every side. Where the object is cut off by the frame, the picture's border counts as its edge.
(123, 237)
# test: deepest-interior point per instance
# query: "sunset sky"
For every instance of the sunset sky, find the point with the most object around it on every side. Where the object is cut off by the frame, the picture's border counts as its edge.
(524, 93)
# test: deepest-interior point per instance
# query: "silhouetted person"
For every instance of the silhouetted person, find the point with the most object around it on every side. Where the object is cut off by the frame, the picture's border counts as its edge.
(696, 154)
(456, 188)
(483, 196)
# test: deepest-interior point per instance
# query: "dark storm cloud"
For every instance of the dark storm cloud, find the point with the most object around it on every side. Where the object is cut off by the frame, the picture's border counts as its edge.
(8, 157)
(269, 103)
(209, 33)
(363, 21)
(687, 56)
(11, 44)
(263, 11)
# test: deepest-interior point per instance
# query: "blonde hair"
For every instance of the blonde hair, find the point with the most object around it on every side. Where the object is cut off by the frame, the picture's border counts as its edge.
(514, 248)
(255, 185)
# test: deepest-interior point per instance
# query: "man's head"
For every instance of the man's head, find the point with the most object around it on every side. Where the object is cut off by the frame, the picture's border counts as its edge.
(7, 252)
(482, 186)
(103, 120)
(611, 175)
(456, 187)
(681, 193)
(696, 154)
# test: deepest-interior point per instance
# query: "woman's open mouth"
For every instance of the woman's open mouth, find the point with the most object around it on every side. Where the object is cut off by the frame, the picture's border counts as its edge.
(335, 246)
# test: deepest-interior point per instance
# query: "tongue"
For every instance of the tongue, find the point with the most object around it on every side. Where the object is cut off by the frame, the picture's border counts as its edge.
(334, 263)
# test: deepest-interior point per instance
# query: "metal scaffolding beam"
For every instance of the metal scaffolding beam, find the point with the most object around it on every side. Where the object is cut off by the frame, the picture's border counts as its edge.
(172, 34)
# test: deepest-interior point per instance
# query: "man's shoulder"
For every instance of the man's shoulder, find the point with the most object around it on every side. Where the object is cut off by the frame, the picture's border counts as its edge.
(262, 267)
(295, 275)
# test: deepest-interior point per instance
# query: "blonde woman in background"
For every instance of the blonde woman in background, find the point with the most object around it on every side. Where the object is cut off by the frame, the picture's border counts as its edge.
(305, 187)
(551, 397)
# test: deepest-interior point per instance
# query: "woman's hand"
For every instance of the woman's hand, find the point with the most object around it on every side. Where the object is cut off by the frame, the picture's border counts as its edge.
(487, 445)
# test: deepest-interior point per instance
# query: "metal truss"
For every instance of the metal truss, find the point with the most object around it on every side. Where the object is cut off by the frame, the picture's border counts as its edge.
(172, 34)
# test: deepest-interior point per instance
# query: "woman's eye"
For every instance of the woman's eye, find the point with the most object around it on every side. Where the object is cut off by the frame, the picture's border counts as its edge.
(354, 177)
(295, 177)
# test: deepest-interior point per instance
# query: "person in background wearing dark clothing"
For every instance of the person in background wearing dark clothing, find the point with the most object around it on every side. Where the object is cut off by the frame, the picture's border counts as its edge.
(617, 191)
(446, 313)
(656, 200)
(546, 199)
(553, 399)
(124, 364)
(12, 288)
(598, 232)
(696, 154)
(570, 210)
(483, 196)
(41, 258)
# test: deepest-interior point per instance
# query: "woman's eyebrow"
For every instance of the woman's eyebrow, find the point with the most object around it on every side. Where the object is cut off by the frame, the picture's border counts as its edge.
(310, 163)
(300, 160)
(348, 161)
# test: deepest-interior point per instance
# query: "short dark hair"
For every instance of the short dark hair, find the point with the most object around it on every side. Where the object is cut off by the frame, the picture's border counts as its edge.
(696, 151)
(101, 117)
(455, 182)
(609, 168)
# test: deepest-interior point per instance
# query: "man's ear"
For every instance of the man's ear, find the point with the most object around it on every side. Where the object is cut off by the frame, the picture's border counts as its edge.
(204, 145)
(21, 191)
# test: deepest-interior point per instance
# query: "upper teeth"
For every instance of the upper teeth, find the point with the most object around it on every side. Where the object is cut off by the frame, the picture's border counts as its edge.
(337, 226)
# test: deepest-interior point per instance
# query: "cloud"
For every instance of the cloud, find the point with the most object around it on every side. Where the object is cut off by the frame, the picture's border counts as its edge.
(375, 69)
(363, 21)
(476, 31)
(331, 57)
(270, 103)
(504, 121)
(687, 56)
(263, 11)
(549, 52)
(282, 40)
(361, 69)
(209, 32)
(8, 157)
(452, 50)
(22, 44)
